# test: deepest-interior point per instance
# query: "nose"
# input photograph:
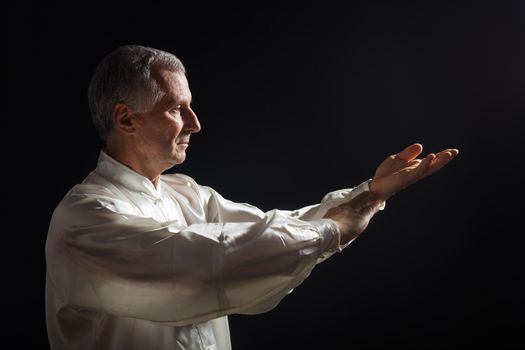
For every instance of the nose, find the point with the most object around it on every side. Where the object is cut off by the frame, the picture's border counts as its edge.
(191, 122)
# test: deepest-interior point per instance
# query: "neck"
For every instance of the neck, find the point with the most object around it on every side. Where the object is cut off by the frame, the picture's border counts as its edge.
(127, 155)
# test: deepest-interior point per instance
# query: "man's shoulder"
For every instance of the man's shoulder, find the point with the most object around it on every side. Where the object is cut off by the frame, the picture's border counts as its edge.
(87, 197)
(90, 190)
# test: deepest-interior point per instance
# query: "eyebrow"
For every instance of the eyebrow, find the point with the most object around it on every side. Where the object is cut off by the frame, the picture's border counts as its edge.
(169, 99)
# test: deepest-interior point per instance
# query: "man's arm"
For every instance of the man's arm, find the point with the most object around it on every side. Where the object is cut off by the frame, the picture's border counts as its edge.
(130, 265)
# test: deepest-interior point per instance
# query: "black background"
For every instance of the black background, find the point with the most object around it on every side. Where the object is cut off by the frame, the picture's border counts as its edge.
(296, 101)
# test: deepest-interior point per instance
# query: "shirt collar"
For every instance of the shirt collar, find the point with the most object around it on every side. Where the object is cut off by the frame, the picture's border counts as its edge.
(117, 172)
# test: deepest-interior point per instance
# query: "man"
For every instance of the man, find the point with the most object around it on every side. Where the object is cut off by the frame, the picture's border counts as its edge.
(140, 260)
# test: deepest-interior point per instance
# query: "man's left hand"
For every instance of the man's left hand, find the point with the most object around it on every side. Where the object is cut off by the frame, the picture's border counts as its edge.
(403, 169)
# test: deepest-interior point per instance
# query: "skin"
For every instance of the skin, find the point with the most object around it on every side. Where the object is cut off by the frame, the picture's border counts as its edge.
(156, 140)
(395, 173)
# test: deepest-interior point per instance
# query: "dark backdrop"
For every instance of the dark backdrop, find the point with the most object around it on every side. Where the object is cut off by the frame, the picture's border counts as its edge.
(295, 101)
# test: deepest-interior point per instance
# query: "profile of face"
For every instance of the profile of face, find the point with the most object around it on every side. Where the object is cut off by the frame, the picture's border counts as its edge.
(162, 134)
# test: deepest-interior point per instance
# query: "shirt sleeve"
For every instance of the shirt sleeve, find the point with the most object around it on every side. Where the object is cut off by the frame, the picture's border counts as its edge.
(331, 200)
(243, 261)
(223, 210)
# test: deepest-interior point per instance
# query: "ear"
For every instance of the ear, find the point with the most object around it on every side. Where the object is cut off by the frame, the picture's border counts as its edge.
(123, 118)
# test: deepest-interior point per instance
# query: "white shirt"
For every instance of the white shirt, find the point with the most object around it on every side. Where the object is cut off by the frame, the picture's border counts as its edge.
(134, 267)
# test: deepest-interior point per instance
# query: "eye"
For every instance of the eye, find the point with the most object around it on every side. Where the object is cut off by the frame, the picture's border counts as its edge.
(176, 109)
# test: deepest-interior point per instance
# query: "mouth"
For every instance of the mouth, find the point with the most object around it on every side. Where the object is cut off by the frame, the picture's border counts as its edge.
(183, 145)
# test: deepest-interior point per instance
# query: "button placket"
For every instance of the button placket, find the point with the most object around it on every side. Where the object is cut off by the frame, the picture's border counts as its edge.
(158, 203)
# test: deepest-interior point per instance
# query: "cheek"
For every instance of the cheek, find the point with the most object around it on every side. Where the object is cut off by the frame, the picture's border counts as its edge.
(172, 131)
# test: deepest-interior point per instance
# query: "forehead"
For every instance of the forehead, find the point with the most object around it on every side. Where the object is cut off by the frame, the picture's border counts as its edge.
(174, 84)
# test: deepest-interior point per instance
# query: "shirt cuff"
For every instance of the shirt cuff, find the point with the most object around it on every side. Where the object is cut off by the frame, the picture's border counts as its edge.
(330, 236)
(336, 198)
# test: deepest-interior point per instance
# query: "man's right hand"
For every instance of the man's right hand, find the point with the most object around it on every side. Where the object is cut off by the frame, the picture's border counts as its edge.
(353, 217)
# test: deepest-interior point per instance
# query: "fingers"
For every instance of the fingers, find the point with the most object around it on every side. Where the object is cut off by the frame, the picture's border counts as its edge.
(410, 152)
(453, 152)
(433, 163)
(442, 159)
(424, 166)
(412, 163)
(410, 169)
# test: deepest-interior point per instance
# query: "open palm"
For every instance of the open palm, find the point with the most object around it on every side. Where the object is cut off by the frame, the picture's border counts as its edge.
(403, 169)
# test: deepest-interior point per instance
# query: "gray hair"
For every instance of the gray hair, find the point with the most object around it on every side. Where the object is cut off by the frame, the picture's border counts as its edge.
(125, 76)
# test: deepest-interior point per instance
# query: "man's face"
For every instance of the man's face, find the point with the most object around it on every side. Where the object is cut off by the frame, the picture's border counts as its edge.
(163, 132)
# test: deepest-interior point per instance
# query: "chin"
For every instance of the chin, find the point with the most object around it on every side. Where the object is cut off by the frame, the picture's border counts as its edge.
(178, 158)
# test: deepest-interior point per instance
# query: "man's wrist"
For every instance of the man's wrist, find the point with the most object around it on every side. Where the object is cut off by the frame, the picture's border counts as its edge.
(367, 185)
(330, 235)
(366, 203)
